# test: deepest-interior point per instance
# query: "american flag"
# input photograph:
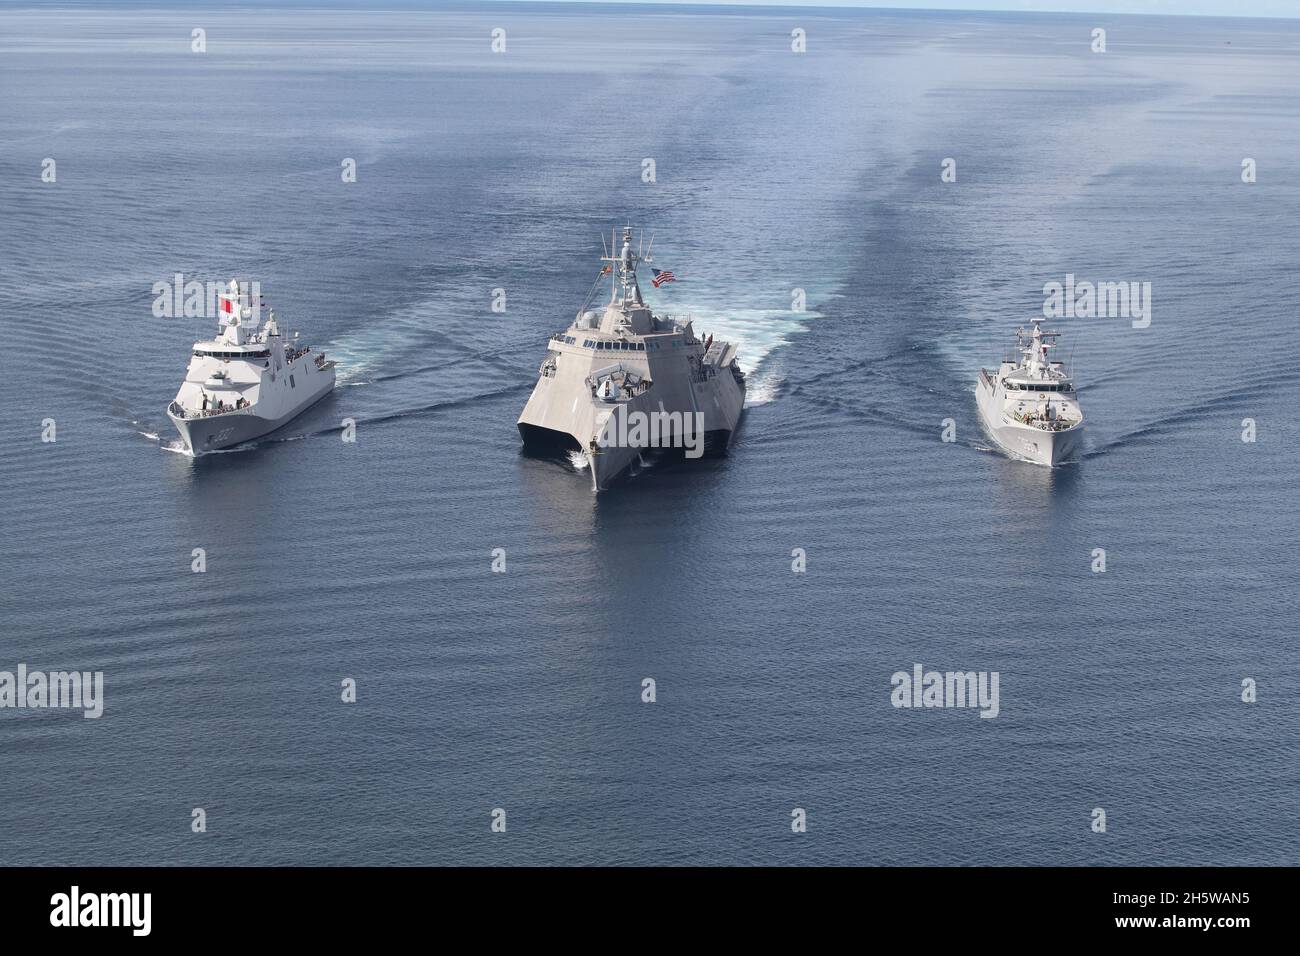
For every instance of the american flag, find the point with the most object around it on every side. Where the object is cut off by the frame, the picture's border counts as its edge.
(661, 277)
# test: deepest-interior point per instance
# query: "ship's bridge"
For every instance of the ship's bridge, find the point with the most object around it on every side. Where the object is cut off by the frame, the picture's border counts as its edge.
(1046, 378)
(627, 316)
(1038, 385)
(598, 343)
(220, 349)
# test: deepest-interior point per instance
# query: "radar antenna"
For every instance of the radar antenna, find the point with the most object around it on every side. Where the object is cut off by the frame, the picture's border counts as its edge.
(622, 268)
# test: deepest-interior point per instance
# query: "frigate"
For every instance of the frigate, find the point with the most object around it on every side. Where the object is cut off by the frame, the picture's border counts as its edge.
(623, 380)
(1029, 407)
(247, 382)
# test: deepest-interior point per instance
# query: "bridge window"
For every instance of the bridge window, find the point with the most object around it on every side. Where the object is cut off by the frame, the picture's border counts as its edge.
(204, 353)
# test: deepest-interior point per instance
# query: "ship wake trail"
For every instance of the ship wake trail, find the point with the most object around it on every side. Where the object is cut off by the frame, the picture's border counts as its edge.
(455, 363)
(366, 355)
(430, 408)
(861, 412)
(177, 447)
(1262, 392)
(766, 383)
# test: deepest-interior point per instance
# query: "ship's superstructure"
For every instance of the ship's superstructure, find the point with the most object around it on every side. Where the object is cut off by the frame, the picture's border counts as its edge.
(246, 382)
(1029, 407)
(622, 380)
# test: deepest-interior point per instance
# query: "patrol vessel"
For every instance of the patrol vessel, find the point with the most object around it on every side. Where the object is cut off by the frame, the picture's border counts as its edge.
(622, 380)
(247, 382)
(1030, 407)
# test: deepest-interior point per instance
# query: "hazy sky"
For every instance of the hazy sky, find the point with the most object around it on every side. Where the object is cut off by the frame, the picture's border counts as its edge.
(1215, 8)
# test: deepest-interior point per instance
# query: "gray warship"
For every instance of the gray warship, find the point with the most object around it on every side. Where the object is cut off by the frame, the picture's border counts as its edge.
(1030, 407)
(246, 382)
(622, 380)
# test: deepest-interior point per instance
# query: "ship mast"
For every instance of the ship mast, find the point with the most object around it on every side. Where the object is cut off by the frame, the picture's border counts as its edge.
(623, 269)
(1033, 349)
(239, 321)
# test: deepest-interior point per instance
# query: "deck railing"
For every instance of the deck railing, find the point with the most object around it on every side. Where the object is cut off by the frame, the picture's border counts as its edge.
(182, 412)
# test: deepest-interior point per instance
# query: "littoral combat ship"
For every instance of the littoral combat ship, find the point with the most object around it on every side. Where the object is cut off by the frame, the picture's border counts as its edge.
(1030, 407)
(623, 380)
(246, 382)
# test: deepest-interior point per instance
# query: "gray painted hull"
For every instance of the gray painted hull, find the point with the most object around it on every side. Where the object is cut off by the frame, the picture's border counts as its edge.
(721, 409)
(1035, 445)
(560, 421)
(217, 432)
(623, 382)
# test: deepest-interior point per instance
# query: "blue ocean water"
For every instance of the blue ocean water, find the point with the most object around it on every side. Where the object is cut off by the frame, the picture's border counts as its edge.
(775, 171)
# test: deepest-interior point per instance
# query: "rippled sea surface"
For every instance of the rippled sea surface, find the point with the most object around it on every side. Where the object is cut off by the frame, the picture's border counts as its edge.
(774, 172)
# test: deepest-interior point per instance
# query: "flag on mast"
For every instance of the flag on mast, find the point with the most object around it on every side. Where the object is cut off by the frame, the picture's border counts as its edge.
(662, 276)
(232, 308)
(229, 310)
